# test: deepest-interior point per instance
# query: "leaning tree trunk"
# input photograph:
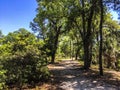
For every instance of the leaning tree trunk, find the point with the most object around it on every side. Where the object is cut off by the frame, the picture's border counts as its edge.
(55, 44)
(54, 50)
(101, 39)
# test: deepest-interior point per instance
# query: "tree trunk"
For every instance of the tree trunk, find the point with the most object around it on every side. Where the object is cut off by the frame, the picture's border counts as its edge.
(70, 49)
(55, 44)
(87, 39)
(91, 46)
(54, 49)
(85, 47)
(86, 56)
(101, 40)
(53, 57)
(87, 36)
(77, 53)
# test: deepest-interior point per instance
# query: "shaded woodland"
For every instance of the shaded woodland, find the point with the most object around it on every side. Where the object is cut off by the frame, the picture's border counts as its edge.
(82, 30)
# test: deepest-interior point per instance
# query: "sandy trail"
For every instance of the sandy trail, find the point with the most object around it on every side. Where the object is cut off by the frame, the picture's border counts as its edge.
(67, 75)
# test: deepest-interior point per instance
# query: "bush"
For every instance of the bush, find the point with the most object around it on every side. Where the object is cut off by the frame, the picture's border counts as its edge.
(25, 67)
(2, 78)
(22, 59)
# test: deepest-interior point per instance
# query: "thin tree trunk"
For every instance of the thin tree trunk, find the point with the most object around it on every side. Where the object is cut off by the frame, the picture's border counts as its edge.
(53, 57)
(101, 39)
(91, 46)
(77, 53)
(70, 49)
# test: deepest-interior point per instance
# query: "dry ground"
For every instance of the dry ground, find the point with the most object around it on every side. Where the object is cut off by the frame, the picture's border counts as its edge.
(67, 75)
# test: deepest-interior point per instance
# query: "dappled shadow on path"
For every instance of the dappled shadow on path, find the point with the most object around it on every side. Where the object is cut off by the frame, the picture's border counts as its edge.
(68, 75)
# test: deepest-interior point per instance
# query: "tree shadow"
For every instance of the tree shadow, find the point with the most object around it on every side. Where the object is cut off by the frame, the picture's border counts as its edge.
(72, 76)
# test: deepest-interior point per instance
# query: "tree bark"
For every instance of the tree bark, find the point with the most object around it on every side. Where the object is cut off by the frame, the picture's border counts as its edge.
(88, 40)
(86, 56)
(85, 46)
(55, 44)
(77, 53)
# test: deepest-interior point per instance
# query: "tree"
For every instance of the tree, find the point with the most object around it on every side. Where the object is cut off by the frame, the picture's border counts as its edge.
(50, 22)
(110, 42)
(82, 20)
(101, 39)
(79, 17)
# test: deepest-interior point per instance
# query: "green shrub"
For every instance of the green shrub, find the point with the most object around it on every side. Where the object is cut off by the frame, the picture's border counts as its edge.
(22, 59)
(2, 77)
(25, 67)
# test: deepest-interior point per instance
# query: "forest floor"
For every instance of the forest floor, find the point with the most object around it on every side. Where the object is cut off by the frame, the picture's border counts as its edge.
(67, 75)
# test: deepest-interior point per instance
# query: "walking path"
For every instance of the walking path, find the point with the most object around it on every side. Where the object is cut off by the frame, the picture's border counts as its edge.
(67, 75)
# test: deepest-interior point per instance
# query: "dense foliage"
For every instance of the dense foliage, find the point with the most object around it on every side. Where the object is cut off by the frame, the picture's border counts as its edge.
(21, 59)
(87, 23)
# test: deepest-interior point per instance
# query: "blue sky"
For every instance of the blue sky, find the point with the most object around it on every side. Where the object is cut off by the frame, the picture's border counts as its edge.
(15, 14)
(115, 15)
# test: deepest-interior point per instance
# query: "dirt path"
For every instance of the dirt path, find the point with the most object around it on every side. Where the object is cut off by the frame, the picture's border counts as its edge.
(67, 75)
